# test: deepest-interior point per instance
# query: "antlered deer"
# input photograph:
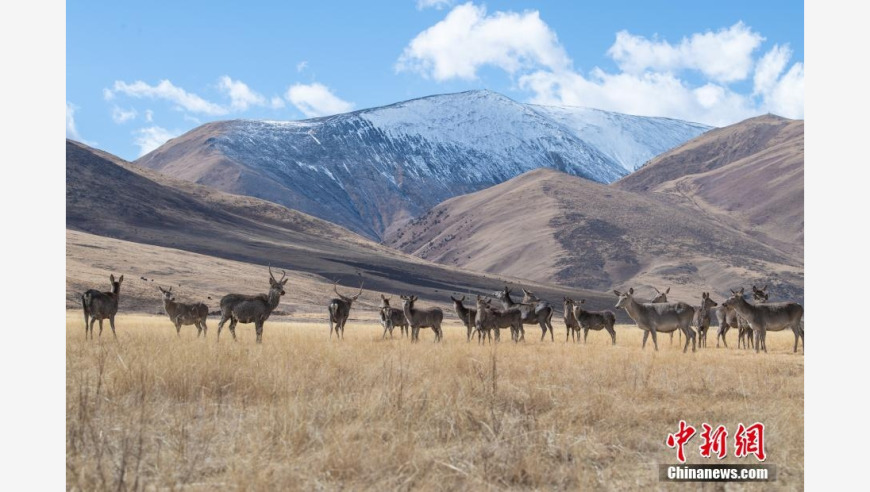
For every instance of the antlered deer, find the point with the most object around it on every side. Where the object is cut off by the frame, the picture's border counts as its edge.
(339, 310)
(595, 320)
(465, 314)
(422, 318)
(101, 305)
(390, 317)
(240, 308)
(653, 318)
(185, 314)
(768, 317)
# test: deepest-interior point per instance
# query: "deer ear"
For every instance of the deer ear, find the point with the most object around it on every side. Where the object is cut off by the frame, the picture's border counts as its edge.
(112, 278)
(740, 291)
(668, 290)
(582, 301)
(616, 292)
(463, 298)
(631, 291)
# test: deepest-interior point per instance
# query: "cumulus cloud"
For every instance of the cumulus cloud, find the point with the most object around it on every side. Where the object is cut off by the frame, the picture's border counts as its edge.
(276, 103)
(723, 56)
(436, 4)
(167, 91)
(241, 96)
(120, 115)
(149, 138)
(316, 100)
(650, 80)
(301, 66)
(468, 39)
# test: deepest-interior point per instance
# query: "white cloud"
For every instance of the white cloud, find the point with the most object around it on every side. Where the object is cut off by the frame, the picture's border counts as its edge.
(167, 91)
(724, 56)
(649, 81)
(769, 67)
(152, 137)
(241, 96)
(71, 130)
(301, 66)
(120, 115)
(276, 103)
(436, 4)
(149, 115)
(468, 39)
(316, 100)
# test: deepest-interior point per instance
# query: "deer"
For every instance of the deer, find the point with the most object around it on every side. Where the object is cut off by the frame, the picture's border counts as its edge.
(240, 308)
(530, 316)
(467, 315)
(543, 311)
(653, 318)
(662, 297)
(489, 318)
(728, 318)
(422, 318)
(102, 305)
(595, 320)
(702, 318)
(185, 314)
(762, 318)
(572, 327)
(339, 310)
(391, 317)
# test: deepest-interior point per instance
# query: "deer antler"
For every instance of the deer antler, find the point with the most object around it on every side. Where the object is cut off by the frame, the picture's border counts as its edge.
(360, 290)
(270, 273)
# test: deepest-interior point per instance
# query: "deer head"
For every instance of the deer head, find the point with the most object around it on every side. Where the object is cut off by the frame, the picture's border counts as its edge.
(624, 297)
(661, 296)
(167, 294)
(277, 286)
(116, 286)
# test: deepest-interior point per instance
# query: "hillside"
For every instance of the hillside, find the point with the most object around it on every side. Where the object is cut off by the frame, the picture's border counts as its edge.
(122, 219)
(748, 175)
(552, 227)
(372, 170)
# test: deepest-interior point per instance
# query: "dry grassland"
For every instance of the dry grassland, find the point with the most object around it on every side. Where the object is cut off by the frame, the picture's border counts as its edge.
(155, 411)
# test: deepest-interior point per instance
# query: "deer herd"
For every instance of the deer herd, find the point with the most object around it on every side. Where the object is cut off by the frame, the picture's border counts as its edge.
(658, 315)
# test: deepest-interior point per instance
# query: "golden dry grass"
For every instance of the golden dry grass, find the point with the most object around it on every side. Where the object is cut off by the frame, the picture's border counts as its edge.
(154, 411)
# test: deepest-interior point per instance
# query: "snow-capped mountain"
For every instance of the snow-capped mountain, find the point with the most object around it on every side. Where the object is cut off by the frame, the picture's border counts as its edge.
(371, 170)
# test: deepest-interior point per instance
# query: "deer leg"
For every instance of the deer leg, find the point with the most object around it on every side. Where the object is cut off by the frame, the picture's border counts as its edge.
(259, 329)
(656, 342)
(233, 322)
(101, 328)
(330, 325)
(204, 329)
(221, 327)
(178, 326)
(93, 320)
(645, 336)
(612, 335)
(672, 338)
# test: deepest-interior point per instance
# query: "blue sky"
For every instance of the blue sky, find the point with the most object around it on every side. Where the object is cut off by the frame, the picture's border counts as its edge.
(140, 73)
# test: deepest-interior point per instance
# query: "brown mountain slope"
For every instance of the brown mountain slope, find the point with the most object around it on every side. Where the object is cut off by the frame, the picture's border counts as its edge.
(552, 227)
(190, 223)
(748, 175)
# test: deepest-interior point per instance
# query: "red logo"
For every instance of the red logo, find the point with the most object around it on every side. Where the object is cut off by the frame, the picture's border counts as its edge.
(679, 439)
(747, 440)
(714, 442)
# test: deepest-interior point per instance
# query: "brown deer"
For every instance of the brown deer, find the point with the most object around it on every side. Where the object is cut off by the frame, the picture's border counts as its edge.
(240, 308)
(531, 314)
(543, 312)
(728, 318)
(185, 314)
(339, 310)
(595, 320)
(489, 319)
(422, 318)
(465, 314)
(702, 318)
(391, 317)
(774, 316)
(572, 327)
(663, 317)
(101, 305)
